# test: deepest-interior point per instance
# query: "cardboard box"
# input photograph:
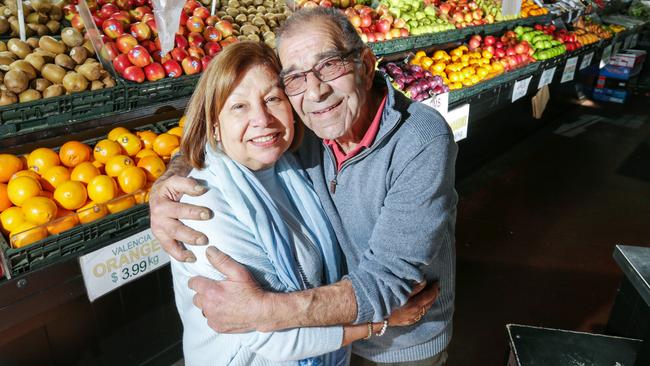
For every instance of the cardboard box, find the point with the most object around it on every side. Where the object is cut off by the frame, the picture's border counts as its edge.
(628, 58)
(611, 95)
(611, 83)
(620, 72)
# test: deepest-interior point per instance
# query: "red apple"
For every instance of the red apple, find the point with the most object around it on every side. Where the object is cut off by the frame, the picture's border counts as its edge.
(490, 49)
(212, 48)
(196, 39)
(382, 26)
(150, 46)
(196, 52)
(212, 34)
(98, 21)
(510, 51)
(520, 49)
(140, 31)
(366, 20)
(205, 62)
(195, 24)
(107, 11)
(371, 37)
(355, 20)
(124, 19)
(110, 51)
(191, 65)
(172, 69)
(139, 56)
(201, 12)
(489, 40)
(181, 42)
(152, 25)
(445, 8)
(112, 28)
(395, 33)
(179, 54)
(380, 37)
(227, 40)
(326, 4)
(399, 23)
(404, 32)
(124, 4)
(134, 73)
(499, 44)
(148, 17)
(499, 53)
(474, 43)
(121, 62)
(139, 12)
(225, 28)
(154, 71)
(69, 10)
(190, 5)
(212, 20)
(126, 42)
(477, 14)
(77, 23)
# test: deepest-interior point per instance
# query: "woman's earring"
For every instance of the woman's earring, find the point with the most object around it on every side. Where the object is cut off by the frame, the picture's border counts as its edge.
(215, 135)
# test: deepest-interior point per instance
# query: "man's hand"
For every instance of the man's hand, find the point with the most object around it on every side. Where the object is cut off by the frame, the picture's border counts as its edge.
(232, 305)
(420, 301)
(166, 212)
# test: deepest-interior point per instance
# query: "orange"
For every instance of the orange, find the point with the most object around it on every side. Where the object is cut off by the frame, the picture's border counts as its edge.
(141, 196)
(5, 203)
(181, 122)
(28, 173)
(39, 210)
(116, 164)
(84, 172)
(102, 189)
(91, 211)
(73, 153)
(9, 165)
(132, 179)
(22, 188)
(147, 137)
(41, 159)
(143, 153)
(153, 166)
(130, 143)
(99, 166)
(165, 144)
(27, 233)
(120, 204)
(53, 176)
(11, 218)
(177, 131)
(106, 149)
(65, 220)
(71, 195)
(116, 132)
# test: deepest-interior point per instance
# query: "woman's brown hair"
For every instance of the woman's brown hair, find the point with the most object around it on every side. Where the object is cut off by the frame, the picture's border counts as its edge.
(212, 90)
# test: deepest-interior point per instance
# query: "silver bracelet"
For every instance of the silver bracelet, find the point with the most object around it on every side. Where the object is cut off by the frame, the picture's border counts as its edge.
(384, 326)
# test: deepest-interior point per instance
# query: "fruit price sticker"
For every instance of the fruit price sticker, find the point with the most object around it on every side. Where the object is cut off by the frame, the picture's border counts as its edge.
(521, 88)
(439, 102)
(458, 120)
(110, 267)
(546, 78)
(569, 69)
(607, 55)
(586, 61)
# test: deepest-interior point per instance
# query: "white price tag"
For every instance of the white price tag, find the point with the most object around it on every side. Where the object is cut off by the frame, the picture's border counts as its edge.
(110, 267)
(546, 78)
(607, 55)
(628, 41)
(635, 39)
(586, 60)
(439, 102)
(569, 69)
(521, 88)
(458, 120)
(617, 47)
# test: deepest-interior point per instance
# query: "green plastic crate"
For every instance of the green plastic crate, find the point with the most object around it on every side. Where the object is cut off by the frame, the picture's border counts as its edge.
(164, 90)
(167, 125)
(461, 94)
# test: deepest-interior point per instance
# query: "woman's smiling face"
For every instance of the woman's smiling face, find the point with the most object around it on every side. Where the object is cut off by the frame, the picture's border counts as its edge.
(255, 126)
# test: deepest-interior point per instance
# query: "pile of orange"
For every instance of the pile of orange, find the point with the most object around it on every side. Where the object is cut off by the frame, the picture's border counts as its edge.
(459, 67)
(47, 192)
(530, 9)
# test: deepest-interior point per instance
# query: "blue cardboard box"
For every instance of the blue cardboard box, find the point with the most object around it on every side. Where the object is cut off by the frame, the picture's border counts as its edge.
(611, 95)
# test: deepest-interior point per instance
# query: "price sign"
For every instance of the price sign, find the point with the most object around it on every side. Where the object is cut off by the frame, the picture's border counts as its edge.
(628, 41)
(569, 69)
(617, 47)
(586, 61)
(521, 88)
(607, 55)
(458, 120)
(546, 78)
(439, 102)
(635, 39)
(110, 267)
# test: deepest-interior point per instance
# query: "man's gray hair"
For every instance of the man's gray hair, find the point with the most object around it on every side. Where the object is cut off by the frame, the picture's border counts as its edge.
(308, 17)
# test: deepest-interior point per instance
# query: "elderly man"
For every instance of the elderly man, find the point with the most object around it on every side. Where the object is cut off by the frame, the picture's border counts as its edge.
(383, 168)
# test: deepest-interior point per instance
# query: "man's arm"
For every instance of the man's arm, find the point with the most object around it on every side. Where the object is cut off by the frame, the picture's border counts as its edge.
(165, 210)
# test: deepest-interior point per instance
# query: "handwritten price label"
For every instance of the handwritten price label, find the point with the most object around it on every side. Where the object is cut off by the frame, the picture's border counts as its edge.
(546, 78)
(458, 120)
(439, 102)
(586, 61)
(110, 267)
(607, 55)
(569, 69)
(521, 88)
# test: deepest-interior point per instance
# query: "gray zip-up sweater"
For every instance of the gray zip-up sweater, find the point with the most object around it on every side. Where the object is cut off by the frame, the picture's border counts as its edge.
(393, 208)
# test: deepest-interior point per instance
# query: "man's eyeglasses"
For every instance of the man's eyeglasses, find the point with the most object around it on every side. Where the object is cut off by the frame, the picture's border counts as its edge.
(326, 70)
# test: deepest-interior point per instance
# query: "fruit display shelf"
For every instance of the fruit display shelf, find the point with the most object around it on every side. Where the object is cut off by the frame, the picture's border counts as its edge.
(139, 95)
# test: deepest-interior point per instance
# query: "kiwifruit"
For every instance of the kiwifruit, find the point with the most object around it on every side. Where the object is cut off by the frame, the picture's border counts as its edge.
(53, 26)
(261, 9)
(36, 60)
(48, 43)
(254, 37)
(228, 18)
(90, 60)
(56, 13)
(13, 6)
(96, 85)
(233, 3)
(250, 9)
(258, 2)
(16, 81)
(257, 21)
(39, 29)
(221, 14)
(268, 4)
(25, 67)
(15, 28)
(272, 23)
(29, 95)
(47, 55)
(32, 42)
(251, 17)
(41, 5)
(5, 11)
(79, 54)
(40, 84)
(241, 18)
(242, 38)
(3, 46)
(270, 42)
(89, 47)
(268, 35)
(71, 37)
(4, 25)
(53, 73)
(248, 29)
(65, 61)
(90, 71)
(5, 62)
(232, 12)
(74, 82)
(265, 28)
(53, 91)
(18, 47)
(108, 82)
(7, 97)
(36, 18)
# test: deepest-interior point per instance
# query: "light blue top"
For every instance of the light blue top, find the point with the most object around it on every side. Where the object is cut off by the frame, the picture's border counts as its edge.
(266, 231)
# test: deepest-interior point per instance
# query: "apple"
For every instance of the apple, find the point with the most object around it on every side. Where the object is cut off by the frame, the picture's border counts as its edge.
(77, 23)
(458, 17)
(399, 23)
(489, 40)
(387, 17)
(350, 12)
(379, 37)
(181, 42)
(152, 26)
(383, 26)
(124, 19)
(371, 38)
(172, 69)
(490, 49)
(121, 62)
(139, 12)
(139, 56)
(201, 12)
(468, 17)
(190, 5)
(69, 10)
(225, 28)
(149, 46)
(212, 48)
(227, 40)
(364, 37)
(196, 39)
(355, 20)
(123, 4)
(126, 42)
(326, 4)
(179, 54)
(191, 65)
(205, 62)
(195, 24)
(133, 73)
(98, 21)
(404, 32)
(366, 20)
(196, 52)
(154, 71)
(112, 28)
(474, 44)
(109, 51)
(395, 33)
(140, 31)
(445, 8)
(499, 44)
(499, 53)
(147, 17)
(477, 14)
(107, 11)
(310, 4)
(211, 20)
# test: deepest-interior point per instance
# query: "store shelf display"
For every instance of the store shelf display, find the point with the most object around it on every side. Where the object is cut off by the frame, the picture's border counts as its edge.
(41, 18)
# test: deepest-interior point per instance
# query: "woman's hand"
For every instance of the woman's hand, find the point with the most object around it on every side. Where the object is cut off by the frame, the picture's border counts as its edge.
(421, 300)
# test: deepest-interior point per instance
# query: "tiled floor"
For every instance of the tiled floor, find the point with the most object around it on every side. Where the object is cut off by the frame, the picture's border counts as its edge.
(537, 227)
